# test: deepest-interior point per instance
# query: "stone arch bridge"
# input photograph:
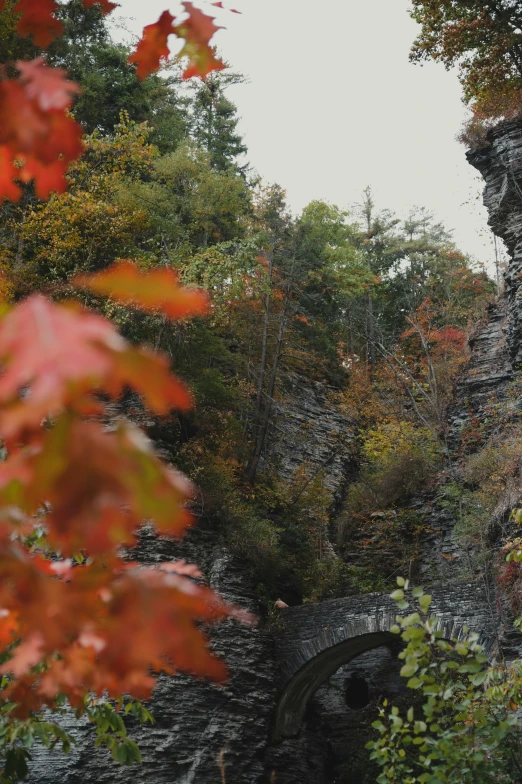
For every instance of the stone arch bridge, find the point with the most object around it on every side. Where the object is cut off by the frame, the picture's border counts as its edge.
(315, 640)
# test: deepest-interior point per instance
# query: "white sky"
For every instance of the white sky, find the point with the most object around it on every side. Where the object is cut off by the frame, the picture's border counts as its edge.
(333, 105)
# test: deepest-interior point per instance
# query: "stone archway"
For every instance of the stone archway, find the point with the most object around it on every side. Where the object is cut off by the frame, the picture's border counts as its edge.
(314, 673)
(319, 639)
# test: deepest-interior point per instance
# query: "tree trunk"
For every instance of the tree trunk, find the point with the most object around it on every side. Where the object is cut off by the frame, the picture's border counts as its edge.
(262, 364)
(263, 430)
(370, 331)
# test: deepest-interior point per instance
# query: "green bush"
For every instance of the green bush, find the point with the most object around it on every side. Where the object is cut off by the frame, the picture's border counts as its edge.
(467, 730)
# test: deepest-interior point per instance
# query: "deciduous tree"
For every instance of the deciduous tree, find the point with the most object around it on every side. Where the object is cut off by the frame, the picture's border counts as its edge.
(483, 38)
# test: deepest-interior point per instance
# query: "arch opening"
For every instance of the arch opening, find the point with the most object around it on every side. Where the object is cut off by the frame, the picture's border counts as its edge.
(314, 673)
(357, 692)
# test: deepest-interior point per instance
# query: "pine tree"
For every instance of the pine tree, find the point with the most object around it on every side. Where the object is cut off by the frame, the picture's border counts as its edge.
(214, 122)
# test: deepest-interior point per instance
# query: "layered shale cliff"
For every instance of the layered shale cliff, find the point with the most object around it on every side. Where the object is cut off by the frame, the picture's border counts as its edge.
(500, 164)
(311, 431)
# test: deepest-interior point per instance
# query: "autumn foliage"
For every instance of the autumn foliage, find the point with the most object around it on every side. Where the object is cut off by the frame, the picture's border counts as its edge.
(38, 137)
(76, 616)
(483, 39)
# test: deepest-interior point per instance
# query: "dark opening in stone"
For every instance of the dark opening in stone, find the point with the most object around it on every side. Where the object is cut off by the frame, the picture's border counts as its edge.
(357, 693)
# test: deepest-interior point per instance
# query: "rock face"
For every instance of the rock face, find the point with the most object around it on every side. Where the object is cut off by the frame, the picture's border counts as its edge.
(486, 378)
(195, 721)
(480, 395)
(311, 430)
(500, 164)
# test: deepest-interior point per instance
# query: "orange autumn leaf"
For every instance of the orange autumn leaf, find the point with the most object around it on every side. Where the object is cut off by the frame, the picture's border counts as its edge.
(156, 290)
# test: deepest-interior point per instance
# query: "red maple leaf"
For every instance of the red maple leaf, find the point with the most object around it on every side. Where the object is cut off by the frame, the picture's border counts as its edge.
(48, 87)
(48, 177)
(220, 5)
(37, 18)
(106, 5)
(201, 26)
(101, 486)
(40, 143)
(63, 354)
(197, 31)
(152, 48)
(63, 138)
(25, 656)
(8, 173)
(23, 124)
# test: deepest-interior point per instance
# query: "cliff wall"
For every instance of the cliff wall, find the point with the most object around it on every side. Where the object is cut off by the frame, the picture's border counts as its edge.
(195, 721)
(310, 430)
(500, 164)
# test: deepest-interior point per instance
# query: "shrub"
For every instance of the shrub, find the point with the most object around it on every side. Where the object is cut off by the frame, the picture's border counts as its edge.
(468, 729)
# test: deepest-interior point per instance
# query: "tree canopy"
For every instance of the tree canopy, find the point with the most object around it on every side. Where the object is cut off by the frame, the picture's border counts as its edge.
(483, 38)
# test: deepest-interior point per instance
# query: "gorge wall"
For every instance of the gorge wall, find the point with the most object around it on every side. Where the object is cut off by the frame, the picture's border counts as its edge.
(500, 164)
(311, 430)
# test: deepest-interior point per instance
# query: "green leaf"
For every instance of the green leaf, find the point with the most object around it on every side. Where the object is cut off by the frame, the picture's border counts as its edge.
(414, 683)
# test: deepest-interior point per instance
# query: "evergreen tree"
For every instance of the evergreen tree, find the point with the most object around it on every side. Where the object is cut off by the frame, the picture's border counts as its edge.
(214, 121)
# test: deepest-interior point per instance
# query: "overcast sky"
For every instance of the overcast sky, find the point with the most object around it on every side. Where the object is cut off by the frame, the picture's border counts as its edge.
(332, 105)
